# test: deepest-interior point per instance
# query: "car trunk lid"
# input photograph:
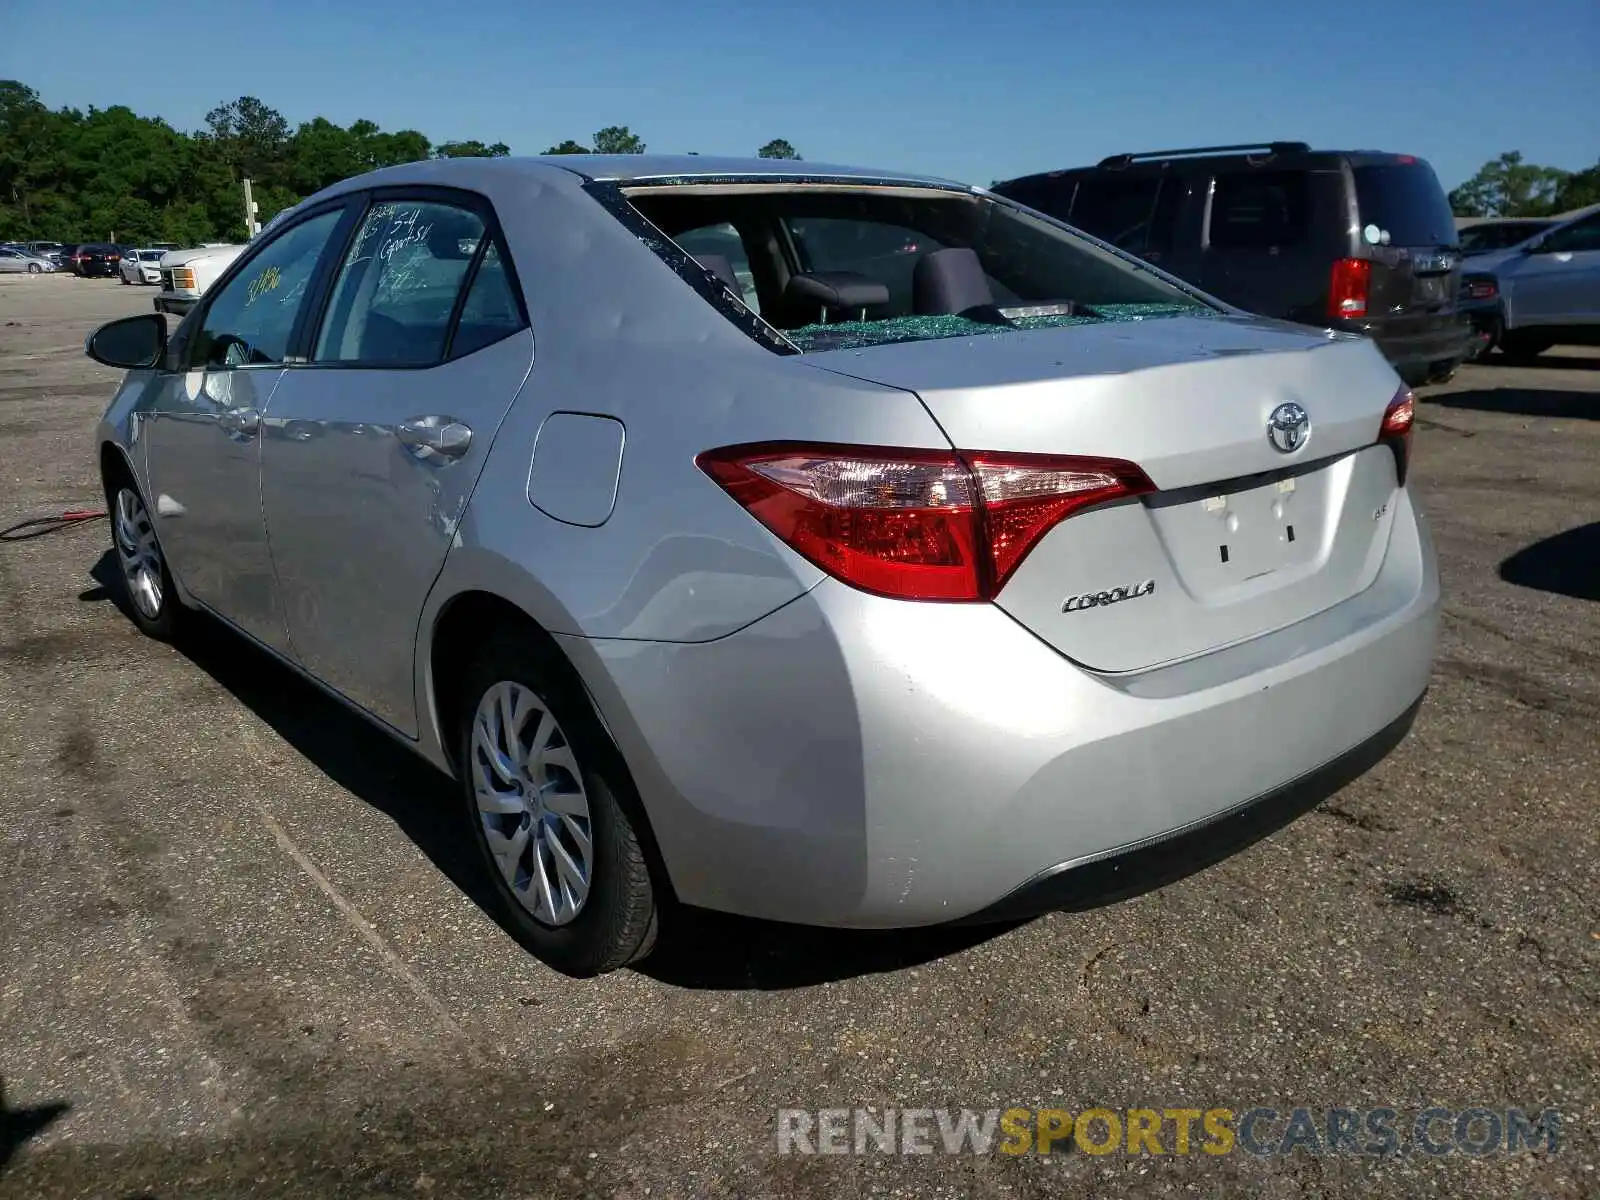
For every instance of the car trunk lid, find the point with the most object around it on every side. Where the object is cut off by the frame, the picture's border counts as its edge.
(1240, 539)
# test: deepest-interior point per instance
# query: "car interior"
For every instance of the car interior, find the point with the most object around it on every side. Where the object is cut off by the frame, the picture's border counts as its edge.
(810, 258)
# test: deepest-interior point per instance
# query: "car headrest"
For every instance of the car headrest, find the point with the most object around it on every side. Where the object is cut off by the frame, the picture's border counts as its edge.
(722, 268)
(949, 281)
(837, 289)
(454, 239)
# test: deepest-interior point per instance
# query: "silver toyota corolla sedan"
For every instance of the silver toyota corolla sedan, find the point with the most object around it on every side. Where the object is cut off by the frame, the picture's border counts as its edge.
(810, 543)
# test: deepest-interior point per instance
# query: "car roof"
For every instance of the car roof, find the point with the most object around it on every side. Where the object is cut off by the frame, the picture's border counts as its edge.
(1290, 155)
(622, 168)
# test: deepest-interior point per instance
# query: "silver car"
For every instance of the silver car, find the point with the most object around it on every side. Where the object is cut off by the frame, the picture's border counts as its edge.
(1540, 293)
(16, 261)
(810, 543)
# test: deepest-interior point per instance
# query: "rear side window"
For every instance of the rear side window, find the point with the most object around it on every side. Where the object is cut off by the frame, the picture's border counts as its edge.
(1261, 210)
(1118, 211)
(398, 284)
(1405, 201)
(490, 311)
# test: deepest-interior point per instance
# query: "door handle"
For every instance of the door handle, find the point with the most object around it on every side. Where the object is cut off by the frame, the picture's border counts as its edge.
(434, 436)
(246, 422)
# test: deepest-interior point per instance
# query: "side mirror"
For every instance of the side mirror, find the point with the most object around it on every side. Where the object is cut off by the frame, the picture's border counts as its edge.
(131, 344)
(1535, 247)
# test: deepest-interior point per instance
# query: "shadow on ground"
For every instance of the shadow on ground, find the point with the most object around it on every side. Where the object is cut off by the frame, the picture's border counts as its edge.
(696, 949)
(1552, 362)
(1525, 402)
(19, 1125)
(1567, 564)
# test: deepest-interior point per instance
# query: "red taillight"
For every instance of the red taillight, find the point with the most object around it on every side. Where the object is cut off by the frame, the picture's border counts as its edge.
(915, 524)
(1347, 290)
(1395, 431)
(1481, 289)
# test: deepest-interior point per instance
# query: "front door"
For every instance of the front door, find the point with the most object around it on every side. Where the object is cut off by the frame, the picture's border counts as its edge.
(371, 450)
(202, 431)
(1558, 283)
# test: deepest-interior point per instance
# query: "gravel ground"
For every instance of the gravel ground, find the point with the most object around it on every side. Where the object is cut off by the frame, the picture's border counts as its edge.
(239, 956)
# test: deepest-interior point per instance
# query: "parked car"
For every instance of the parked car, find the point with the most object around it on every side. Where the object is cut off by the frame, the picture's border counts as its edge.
(1485, 237)
(1541, 293)
(184, 275)
(141, 265)
(96, 258)
(1355, 240)
(13, 262)
(49, 250)
(1034, 577)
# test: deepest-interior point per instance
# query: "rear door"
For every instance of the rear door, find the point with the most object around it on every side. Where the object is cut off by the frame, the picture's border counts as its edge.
(372, 448)
(1409, 233)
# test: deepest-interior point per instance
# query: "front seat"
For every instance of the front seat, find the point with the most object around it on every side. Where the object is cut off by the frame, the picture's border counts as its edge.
(952, 282)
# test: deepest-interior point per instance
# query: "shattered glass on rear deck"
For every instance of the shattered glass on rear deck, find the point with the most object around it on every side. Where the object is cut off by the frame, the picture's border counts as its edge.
(858, 335)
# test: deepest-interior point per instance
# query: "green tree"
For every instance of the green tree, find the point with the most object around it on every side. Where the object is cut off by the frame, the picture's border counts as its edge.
(471, 150)
(617, 139)
(1508, 187)
(1578, 190)
(568, 147)
(777, 148)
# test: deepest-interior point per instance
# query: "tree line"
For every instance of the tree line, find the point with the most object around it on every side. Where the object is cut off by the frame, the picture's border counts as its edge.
(1508, 187)
(109, 174)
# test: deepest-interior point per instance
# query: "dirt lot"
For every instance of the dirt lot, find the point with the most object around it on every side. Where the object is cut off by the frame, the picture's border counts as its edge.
(235, 958)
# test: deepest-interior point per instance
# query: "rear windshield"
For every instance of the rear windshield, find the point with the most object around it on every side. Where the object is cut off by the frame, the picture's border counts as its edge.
(1405, 201)
(837, 266)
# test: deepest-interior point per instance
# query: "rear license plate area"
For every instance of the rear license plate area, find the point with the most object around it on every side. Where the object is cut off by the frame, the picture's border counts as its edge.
(1223, 539)
(1430, 289)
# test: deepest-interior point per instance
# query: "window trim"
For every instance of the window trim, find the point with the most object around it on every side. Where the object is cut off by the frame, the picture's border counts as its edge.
(474, 202)
(183, 337)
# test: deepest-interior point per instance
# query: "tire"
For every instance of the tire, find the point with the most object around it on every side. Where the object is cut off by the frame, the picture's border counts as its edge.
(35, 269)
(559, 778)
(1519, 347)
(122, 277)
(150, 598)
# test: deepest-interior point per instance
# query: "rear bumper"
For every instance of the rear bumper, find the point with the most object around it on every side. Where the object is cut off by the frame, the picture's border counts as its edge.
(1134, 870)
(855, 761)
(1445, 339)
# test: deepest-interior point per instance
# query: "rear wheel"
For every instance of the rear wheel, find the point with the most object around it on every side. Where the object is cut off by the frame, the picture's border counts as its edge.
(547, 799)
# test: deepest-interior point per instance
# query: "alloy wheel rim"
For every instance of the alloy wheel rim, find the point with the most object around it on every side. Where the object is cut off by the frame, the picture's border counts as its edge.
(139, 553)
(531, 801)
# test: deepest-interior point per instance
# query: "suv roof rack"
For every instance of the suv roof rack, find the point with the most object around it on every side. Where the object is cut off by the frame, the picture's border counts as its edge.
(1122, 160)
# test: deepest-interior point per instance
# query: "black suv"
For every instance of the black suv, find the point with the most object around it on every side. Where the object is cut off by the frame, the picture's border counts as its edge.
(1358, 240)
(97, 258)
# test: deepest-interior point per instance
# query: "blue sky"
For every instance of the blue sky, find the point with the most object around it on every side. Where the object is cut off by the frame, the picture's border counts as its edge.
(975, 91)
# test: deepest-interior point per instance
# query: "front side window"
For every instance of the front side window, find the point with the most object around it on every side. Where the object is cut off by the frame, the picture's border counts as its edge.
(397, 288)
(1261, 210)
(252, 317)
(1579, 236)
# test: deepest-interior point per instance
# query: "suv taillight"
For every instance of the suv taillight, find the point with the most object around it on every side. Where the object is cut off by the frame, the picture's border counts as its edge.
(1395, 431)
(1347, 289)
(915, 524)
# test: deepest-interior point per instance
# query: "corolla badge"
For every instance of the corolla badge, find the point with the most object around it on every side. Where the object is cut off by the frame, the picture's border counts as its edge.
(1114, 595)
(1288, 428)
